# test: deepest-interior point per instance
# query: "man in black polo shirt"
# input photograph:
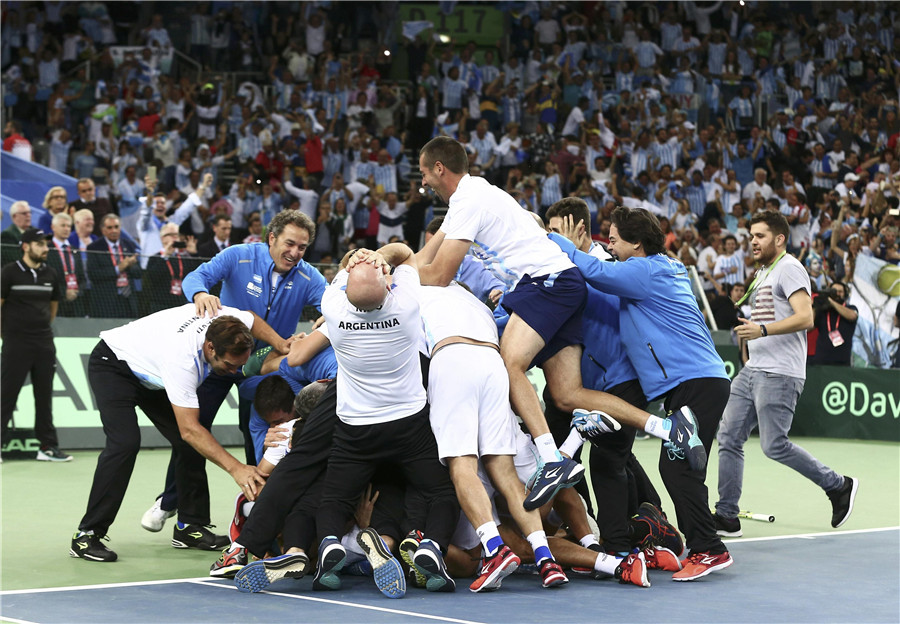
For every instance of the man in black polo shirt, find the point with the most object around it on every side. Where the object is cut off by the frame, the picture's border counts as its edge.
(29, 300)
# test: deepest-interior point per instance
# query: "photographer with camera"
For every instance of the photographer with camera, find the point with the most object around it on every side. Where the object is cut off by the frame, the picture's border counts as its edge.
(836, 322)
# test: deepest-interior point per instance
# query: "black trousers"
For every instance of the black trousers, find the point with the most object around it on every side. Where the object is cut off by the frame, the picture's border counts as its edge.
(288, 502)
(615, 479)
(19, 357)
(407, 443)
(211, 394)
(118, 392)
(707, 397)
(293, 492)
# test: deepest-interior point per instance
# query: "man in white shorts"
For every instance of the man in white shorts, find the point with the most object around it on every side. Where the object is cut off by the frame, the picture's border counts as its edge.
(468, 389)
(545, 302)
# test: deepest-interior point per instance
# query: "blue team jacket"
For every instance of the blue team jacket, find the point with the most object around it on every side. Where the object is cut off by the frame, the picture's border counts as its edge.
(246, 275)
(660, 324)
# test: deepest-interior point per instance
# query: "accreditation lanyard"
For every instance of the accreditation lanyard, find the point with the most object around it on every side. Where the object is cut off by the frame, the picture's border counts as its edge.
(759, 279)
(175, 283)
(65, 253)
(66, 257)
(122, 279)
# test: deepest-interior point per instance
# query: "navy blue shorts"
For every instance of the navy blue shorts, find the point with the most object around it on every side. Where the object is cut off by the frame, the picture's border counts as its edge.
(551, 305)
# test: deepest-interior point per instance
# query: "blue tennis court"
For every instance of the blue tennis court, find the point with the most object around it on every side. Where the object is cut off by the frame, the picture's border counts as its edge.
(846, 576)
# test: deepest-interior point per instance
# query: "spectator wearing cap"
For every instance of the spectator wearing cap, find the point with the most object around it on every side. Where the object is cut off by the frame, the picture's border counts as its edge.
(847, 189)
(29, 300)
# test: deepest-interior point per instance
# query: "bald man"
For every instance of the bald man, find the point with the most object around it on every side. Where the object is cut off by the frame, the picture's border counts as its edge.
(375, 327)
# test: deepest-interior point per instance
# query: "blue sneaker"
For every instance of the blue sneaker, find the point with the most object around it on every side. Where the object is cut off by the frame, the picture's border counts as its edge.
(430, 562)
(550, 478)
(331, 559)
(683, 441)
(592, 423)
(386, 569)
(256, 576)
(358, 568)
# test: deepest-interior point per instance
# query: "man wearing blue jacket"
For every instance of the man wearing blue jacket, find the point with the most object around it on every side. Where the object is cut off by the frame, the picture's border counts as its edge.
(672, 351)
(270, 279)
(617, 478)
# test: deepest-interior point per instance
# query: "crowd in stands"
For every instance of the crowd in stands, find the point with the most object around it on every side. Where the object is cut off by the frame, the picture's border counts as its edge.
(702, 112)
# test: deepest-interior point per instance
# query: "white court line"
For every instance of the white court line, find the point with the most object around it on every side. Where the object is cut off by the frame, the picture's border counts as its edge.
(809, 535)
(349, 604)
(204, 580)
(40, 590)
(15, 621)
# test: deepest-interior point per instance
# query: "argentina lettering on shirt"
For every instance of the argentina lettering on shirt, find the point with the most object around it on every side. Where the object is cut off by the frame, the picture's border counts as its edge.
(205, 322)
(360, 325)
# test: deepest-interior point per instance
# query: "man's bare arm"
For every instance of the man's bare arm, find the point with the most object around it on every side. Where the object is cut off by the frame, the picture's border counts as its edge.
(446, 263)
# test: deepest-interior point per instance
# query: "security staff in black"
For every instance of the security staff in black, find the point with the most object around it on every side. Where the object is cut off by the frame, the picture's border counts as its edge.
(29, 298)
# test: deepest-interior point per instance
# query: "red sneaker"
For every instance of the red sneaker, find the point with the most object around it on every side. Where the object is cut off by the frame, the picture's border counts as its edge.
(237, 522)
(552, 575)
(660, 558)
(495, 569)
(633, 569)
(700, 564)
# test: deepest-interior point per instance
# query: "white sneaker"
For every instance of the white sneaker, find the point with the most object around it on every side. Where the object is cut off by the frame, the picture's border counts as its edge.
(154, 519)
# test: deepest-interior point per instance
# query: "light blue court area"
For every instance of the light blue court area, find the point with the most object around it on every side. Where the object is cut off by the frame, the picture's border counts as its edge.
(844, 576)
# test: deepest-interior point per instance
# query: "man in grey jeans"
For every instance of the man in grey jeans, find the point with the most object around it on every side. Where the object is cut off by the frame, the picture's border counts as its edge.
(766, 390)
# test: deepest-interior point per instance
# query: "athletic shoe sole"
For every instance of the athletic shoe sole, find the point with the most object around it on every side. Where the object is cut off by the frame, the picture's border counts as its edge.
(539, 497)
(255, 577)
(724, 533)
(495, 578)
(89, 557)
(438, 579)
(588, 422)
(386, 569)
(852, 499)
(331, 560)
(408, 548)
(708, 570)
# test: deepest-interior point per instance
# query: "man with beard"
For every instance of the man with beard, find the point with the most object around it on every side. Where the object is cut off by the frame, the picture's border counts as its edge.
(29, 300)
(766, 390)
(270, 279)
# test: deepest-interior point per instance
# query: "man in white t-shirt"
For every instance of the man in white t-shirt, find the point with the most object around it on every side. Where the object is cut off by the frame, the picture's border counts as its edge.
(376, 331)
(161, 375)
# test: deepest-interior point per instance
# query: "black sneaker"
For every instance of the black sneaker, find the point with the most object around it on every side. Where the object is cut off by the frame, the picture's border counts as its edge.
(198, 536)
(660, 531)
(842, 501)
(52, 454)
(89, 546)
(727, 527)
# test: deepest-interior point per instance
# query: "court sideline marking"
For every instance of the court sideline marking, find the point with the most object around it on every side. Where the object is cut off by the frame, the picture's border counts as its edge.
(205, 580)
(347, 604)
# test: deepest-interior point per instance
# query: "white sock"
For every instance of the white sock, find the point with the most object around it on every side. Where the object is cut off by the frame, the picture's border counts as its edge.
(247, 507)
(588, 540)
(234, 546)
(658, 427)
(607, 563)
(572, 444)
(538, 539)
(547, 448)
(488, 533)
